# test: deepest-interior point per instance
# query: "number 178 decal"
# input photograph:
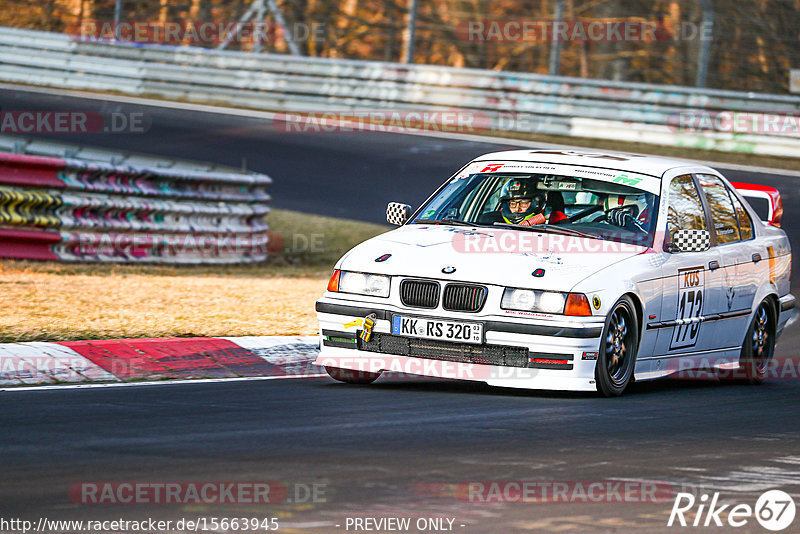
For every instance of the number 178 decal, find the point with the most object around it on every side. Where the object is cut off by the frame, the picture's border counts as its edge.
(691, 285)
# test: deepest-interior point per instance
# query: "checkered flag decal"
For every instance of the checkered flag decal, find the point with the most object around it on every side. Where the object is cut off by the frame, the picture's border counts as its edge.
(397, 214)
(691, 240)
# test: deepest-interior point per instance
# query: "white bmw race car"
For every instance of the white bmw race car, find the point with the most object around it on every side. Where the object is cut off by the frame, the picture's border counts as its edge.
(565, 270)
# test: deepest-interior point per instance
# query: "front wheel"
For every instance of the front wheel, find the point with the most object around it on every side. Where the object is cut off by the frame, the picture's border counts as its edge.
(618, 346)
(759, 344)
(351, 377)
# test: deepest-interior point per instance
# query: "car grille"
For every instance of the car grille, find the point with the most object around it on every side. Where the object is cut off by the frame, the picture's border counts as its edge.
(447, 351)
(463, 297)
(419, 293)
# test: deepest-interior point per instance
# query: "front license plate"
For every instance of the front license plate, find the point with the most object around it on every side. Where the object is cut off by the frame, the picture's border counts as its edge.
(458, 331)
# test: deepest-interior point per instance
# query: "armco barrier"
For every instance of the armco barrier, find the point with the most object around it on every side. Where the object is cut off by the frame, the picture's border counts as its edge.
(510, 101)
(72, 209)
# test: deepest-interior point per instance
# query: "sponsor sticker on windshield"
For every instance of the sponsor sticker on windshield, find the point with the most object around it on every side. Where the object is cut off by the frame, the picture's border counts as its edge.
(644, 182)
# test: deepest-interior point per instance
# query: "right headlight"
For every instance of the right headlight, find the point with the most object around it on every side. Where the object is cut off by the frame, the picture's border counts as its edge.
(376, 285)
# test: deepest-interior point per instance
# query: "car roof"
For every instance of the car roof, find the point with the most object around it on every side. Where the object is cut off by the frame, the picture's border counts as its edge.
(644, 164)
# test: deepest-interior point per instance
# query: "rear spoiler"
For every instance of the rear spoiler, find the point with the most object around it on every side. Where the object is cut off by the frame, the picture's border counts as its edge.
(765, 200)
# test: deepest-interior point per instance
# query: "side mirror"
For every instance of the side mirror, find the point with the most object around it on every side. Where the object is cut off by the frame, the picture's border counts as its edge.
(397, 214)
(690, 241)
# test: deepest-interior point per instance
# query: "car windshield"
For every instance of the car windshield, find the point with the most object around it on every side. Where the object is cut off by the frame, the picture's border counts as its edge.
(552, 203)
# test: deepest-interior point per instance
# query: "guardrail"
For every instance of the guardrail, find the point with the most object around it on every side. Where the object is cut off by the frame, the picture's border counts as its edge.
(665, 115)
(127, 209)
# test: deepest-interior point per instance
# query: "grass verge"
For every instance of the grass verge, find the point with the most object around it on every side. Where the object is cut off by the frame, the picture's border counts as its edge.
(60, 302)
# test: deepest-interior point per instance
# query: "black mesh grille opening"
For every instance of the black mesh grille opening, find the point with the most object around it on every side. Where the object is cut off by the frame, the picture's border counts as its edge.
(464, 297)
(419, 293)
(447, 351)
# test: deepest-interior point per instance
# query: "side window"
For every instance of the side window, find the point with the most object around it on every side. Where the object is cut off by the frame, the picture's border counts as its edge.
(745, 222)
(685, 210)
(726, 224)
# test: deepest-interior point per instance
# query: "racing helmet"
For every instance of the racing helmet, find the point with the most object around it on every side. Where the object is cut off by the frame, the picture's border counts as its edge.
(516, 189)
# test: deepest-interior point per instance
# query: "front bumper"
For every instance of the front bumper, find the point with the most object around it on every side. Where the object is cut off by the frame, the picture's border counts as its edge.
(517, 353)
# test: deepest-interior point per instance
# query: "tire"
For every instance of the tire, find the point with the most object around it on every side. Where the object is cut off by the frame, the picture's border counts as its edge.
(759, 344)
(349, 376)
(618, 347)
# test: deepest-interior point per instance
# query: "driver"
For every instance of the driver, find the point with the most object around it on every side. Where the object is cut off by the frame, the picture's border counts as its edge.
(521, 204)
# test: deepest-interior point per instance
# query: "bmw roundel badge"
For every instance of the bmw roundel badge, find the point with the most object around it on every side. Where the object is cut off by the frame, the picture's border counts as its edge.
(449, 269)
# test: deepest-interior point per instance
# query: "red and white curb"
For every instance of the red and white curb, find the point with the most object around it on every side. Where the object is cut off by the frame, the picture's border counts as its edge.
(137, 360)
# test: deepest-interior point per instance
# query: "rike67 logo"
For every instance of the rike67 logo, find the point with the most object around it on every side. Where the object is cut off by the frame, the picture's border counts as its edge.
(774, 510)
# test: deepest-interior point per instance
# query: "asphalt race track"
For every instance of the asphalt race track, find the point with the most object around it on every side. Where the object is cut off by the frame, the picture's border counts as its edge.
(401, 447)
(376, 449)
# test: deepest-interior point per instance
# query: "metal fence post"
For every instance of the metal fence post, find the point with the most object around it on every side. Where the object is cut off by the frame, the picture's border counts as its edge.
(287, 33)
(411, 31)
(555, 46)
(706, 37)
(117, 17)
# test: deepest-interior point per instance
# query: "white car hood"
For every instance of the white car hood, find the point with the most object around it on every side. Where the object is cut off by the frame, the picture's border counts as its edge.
(503, 257)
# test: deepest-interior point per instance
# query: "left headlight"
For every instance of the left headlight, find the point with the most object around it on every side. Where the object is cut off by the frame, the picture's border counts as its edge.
(532, 300)
(375, 285)
(553, 302)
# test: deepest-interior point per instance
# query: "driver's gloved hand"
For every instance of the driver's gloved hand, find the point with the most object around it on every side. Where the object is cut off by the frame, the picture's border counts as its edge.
(619, 217)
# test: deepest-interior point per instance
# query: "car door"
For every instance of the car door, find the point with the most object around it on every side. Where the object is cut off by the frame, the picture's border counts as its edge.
(739, 258)
(692, 280)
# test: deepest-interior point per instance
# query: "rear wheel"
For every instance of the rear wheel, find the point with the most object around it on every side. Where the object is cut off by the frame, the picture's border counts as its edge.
(759, 344)
(351, 377)
(620, 341)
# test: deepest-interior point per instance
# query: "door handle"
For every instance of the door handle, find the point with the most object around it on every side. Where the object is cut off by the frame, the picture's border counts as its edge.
(756, 257)
(713, 265)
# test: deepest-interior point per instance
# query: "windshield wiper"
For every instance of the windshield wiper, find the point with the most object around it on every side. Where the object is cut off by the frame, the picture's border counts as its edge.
(551, 228)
